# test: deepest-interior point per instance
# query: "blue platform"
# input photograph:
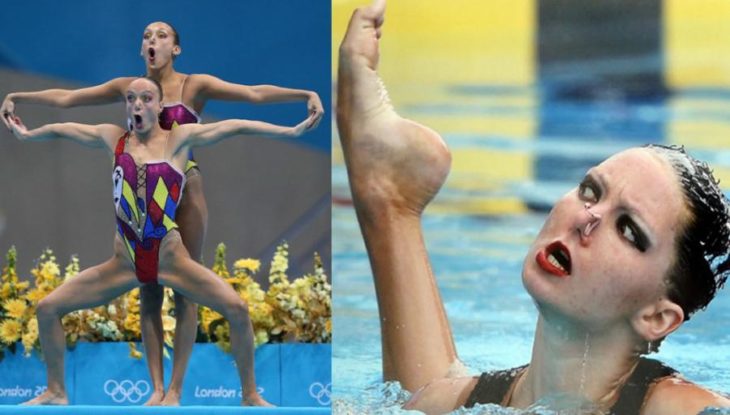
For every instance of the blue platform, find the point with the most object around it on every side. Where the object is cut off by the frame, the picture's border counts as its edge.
(181, 410)
(287, 375)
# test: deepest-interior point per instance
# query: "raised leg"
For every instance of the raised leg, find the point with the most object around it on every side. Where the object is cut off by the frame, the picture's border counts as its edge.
(90, 288)
(395, 167)
(201, 285)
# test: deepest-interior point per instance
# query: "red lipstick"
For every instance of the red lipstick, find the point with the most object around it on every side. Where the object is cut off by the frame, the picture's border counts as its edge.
(555, 259)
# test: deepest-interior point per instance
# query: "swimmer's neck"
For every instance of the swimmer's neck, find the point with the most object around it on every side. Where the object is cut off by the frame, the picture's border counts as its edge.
(151, 134)
(162, 73)
(572, 361)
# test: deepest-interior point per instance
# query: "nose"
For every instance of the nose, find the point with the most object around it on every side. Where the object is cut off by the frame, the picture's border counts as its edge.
(588, 222)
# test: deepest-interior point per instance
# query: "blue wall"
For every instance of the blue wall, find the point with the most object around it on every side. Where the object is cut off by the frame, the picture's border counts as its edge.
(283, 42)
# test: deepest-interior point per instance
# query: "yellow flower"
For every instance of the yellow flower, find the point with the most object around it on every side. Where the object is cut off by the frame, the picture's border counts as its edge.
(30, 337)
(72, 268)
(168, 323)
(207, 317)
(222, 332)
(219, 265)
(5, 290)
(133, 352)
(261, 337)
(15, 308)
(10, 331)
(131, 324)
(50, 269)
(35, 295)
(249, 264)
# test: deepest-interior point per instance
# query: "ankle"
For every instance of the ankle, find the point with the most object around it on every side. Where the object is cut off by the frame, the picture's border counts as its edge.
(173, 391)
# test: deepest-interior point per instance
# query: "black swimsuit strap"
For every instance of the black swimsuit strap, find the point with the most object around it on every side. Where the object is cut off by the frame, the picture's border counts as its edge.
(633, 394)
(493, 387)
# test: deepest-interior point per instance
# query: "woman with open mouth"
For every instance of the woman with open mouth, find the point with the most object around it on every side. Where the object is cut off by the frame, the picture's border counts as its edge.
(148, 184)
(621, 262)
(185, 98)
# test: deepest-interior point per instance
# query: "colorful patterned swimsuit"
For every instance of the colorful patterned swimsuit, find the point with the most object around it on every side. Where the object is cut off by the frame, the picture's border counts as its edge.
(177, 114)
(145, 198)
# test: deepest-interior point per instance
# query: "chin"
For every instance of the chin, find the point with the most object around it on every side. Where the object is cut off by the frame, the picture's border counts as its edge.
(545, 293)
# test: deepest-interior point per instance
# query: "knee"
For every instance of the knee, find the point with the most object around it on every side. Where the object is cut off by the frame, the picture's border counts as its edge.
(48, 309)
(237, 312)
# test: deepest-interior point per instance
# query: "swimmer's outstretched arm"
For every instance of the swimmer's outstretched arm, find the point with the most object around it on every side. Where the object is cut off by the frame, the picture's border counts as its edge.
(97, 136)
(395, 167)
(196, 135)
(199, 88)
(108, 92)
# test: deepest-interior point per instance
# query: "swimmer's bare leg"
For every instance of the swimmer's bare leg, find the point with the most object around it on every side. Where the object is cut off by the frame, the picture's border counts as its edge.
(395, 167)
(201, 285)
(151, 297)
(90, 288)
(192, 217)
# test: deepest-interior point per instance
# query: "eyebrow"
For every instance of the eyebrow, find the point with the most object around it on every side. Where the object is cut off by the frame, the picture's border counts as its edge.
(635, 214)
(129, 91)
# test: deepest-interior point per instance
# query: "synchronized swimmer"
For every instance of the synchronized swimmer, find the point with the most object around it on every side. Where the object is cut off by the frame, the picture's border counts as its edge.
(185, 98)
(658, 211)
(148, 183)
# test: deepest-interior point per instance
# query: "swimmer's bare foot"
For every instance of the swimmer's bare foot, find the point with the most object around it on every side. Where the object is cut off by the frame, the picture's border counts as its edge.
(392, 162)
(254, 399)
(48, 398)
(172, 398)
(157, 398)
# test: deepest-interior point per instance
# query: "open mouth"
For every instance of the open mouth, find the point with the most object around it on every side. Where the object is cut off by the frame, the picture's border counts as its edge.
(555, 259)
(151, 54)
(137, 121)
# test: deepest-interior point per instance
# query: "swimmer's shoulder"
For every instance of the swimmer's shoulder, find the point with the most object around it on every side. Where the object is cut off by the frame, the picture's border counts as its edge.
(442, 395)
(674, 395)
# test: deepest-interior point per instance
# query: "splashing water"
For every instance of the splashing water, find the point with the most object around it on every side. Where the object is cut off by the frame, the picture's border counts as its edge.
(389, 398)
(583, 364)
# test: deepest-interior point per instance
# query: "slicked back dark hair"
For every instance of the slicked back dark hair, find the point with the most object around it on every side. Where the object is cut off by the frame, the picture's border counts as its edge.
(702, 263)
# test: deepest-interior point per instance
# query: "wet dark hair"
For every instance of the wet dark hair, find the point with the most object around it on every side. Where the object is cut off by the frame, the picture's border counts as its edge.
(176, 40)
(702, 264)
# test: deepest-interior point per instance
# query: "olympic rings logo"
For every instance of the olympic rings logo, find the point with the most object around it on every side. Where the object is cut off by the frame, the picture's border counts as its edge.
(322, 393)
(126, 390)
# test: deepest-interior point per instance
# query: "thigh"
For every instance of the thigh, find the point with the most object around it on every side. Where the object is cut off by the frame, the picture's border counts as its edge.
(94, 286)
(198, 283)
(192, 217)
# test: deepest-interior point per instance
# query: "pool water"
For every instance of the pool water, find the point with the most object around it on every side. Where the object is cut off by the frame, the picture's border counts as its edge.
(477, 232)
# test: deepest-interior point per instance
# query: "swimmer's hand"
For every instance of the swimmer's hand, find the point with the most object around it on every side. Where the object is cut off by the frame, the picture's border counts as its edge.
(304, 126)
(315, 110)
(16, 126)
(7, 110)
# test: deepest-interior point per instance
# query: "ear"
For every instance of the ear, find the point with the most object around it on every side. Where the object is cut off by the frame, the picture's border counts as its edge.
(176, 50)
(657, 320)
